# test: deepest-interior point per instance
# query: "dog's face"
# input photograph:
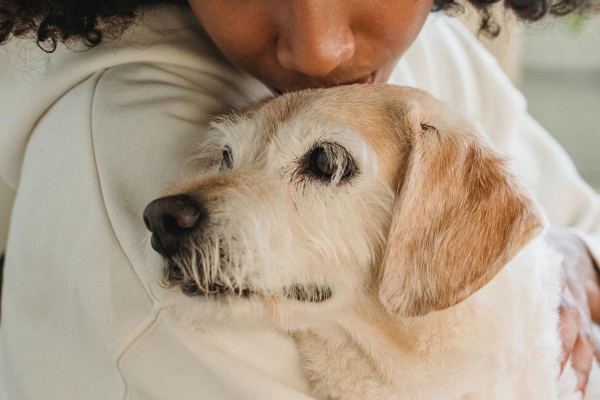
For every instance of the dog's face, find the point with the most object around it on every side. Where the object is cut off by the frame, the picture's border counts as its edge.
(326, 196)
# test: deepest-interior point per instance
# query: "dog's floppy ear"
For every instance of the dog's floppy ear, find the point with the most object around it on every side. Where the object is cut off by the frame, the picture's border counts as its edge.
(459, 217)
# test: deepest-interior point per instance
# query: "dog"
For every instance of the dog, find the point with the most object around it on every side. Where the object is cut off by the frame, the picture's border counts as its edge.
(377, 225)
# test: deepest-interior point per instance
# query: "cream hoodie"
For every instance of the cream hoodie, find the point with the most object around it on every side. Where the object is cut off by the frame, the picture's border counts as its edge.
(88, 138)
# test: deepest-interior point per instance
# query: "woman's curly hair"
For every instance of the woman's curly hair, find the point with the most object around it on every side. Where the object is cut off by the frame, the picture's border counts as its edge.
(49, 22)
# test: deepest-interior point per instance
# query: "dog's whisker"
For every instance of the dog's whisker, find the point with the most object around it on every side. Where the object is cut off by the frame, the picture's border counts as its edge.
(218, 256)
(207, 267)
(194, 267)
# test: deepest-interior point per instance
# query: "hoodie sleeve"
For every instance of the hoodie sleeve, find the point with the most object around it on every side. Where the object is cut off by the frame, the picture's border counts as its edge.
(92, 140)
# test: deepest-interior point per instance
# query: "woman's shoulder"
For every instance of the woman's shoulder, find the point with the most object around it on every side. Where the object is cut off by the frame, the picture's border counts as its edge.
(164, 55)
(166, 36)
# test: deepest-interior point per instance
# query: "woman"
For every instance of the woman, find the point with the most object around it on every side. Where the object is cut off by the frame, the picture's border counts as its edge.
(90, 137)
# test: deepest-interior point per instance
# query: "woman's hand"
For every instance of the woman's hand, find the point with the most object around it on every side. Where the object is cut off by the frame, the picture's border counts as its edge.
(580, 304)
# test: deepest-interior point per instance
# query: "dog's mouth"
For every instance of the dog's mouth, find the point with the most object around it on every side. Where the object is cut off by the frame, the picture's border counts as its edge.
(174, 276)
(214, 290)
(178, 271)
(305, 293)
(311, 293)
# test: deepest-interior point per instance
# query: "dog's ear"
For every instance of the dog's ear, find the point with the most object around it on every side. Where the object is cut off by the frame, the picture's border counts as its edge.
(459, 217)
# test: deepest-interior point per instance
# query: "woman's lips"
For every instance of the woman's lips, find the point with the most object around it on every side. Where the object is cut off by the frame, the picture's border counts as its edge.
(364, 80)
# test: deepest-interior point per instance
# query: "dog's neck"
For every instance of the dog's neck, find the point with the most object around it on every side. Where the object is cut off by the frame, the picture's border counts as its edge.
(394, 350)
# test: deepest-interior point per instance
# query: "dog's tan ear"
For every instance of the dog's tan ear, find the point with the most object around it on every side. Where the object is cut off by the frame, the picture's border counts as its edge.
(459, 217)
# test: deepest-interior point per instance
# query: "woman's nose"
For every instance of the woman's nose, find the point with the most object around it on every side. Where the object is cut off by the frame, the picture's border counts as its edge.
(314, 39)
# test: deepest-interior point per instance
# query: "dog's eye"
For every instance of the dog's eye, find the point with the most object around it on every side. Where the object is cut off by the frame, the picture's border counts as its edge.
(227, 160)
(330, 162)
(321, 164)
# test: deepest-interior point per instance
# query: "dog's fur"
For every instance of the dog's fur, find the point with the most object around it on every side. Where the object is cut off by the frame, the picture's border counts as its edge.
(412, 272)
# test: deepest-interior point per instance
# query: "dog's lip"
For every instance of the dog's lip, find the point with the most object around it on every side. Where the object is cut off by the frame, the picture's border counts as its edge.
(312, 294)
(217, 290)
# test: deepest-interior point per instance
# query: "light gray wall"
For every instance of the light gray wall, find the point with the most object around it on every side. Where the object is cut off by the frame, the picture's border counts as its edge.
(561, 80)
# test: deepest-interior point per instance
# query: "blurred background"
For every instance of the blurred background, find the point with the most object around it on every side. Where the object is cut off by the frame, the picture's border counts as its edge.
(555, 63)
(560, 76)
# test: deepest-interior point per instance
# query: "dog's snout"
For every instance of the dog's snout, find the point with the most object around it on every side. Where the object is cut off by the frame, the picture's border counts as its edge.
(171, 219)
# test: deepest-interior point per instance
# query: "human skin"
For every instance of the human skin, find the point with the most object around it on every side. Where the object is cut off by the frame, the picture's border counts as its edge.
(299, 44)
(580, 304)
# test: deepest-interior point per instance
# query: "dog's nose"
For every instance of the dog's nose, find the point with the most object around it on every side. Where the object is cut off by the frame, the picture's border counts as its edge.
(171, 219)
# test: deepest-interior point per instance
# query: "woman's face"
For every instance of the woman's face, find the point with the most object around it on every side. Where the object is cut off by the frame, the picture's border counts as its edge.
(298, 44)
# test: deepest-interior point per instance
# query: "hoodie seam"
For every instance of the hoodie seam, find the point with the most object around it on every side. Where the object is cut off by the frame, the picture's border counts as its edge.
(152, 316)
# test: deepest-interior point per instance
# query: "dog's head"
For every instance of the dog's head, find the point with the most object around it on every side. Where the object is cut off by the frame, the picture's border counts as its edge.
(329, 194)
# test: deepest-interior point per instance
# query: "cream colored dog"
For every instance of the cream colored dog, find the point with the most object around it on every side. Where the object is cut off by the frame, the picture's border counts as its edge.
(376, 224)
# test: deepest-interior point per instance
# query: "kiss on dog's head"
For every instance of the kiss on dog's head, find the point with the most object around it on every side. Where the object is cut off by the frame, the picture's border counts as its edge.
(330, 196)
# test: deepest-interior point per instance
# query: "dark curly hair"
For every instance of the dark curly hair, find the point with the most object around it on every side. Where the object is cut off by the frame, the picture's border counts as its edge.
(53, 21)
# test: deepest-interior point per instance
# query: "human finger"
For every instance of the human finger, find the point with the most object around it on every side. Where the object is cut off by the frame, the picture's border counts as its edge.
(596, 348)
(570, 321)
(582, 358)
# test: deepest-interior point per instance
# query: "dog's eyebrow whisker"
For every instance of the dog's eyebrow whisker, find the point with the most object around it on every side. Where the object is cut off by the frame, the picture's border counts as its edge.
(338, 160)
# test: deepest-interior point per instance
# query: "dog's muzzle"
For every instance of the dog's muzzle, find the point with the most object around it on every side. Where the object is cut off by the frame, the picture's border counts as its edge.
(171, 220)
(175, 221)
